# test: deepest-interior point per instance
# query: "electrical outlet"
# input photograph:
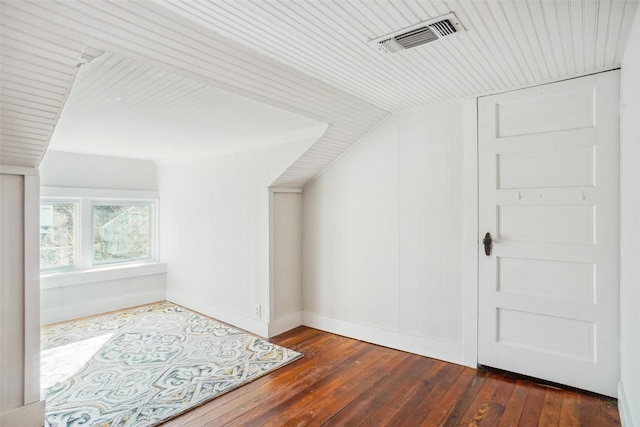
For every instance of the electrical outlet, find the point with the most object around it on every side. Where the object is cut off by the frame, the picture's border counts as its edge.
(258, 311)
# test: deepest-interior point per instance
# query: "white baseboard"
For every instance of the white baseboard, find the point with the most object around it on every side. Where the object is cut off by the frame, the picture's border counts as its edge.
(447, 351)
(623, 407)
(31, 415)
(285, 324)
(100, 305)
(223, 314)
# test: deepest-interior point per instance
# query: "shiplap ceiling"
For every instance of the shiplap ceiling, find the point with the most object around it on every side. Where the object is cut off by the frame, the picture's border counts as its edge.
(119, 107)
(507, 44)
(308, 57)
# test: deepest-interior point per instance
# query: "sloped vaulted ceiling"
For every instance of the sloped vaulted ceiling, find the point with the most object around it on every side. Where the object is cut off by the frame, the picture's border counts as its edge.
(310, 57)
(119, 107)
(43, 42)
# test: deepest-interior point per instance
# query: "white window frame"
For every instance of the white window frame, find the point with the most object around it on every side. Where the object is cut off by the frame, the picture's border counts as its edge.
(86, 271)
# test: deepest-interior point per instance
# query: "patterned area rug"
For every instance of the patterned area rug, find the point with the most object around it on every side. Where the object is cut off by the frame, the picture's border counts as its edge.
(142, 366)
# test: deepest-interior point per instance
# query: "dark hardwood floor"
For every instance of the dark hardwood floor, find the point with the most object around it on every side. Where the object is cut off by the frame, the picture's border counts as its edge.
(345, 382)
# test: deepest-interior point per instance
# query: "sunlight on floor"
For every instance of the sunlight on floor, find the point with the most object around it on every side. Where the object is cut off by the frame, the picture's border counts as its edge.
(59, 363)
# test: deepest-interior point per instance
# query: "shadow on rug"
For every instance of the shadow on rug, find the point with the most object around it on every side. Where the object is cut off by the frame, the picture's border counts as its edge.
(143, 366)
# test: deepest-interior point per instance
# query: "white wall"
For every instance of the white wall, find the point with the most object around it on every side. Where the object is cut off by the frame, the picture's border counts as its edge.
(629, 393)
(215, 232)
(62, 169)
(65, 298)
(383, 237)
(19, 300)
(60, 303)
(286, 260)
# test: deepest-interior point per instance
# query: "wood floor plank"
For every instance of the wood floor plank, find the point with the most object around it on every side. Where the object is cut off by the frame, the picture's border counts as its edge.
(498, 404)
(432, 400)
(395, 410)
(281, 404)
(480, 405)
(414, 406)
(609, 411)
(299, 336)
(448, 401)
(340, 390)
(357, 410)
(515, 405)
(551, 407)
(589, 411)
(465, 401)
(570, 409)
(533, 407)
(386, 404)
(344, 382)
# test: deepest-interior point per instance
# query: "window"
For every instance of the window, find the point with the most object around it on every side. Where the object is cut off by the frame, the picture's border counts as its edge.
(85, 233)
(121, 232)
(57, 235)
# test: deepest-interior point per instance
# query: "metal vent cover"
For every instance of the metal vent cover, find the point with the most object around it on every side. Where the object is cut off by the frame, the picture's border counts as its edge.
(418, 34)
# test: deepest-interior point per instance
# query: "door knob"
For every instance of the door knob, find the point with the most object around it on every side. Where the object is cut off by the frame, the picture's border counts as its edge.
(487, 244)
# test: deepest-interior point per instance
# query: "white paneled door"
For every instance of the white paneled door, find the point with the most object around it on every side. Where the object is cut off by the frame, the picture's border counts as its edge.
(548, 182)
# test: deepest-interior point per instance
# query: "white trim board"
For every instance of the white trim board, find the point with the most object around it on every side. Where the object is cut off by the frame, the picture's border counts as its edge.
(223, 314)
(285, 324)
(285, 190)
(18, 170)
(100, 274)
(470, 232)
(31, 415)
(103, 305)
(624, 408)
(442, 350)
(97, 193)
(32, 312)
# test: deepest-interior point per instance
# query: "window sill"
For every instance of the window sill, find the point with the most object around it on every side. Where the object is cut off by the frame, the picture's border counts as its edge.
(100, 274)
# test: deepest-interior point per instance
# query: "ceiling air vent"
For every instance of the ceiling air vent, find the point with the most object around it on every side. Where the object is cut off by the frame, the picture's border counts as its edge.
(419, 34)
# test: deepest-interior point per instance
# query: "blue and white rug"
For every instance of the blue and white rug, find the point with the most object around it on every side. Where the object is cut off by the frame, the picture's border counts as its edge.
(142, 366)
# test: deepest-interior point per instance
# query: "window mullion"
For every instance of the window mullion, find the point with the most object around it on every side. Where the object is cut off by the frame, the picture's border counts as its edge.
(85, 234)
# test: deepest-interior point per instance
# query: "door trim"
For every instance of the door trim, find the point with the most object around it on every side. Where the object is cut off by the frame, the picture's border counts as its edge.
(470, 220)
